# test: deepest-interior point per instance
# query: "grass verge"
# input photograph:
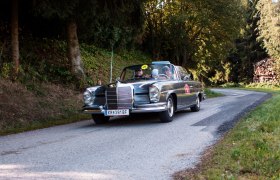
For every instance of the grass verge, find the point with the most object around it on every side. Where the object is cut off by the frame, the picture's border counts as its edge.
(211, 94)
(249, 151)
(46, 93)
(34, 125)
(23, 108)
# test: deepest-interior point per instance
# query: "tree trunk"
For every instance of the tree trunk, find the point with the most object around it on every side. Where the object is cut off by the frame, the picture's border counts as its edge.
(73, 51)
(14, 36)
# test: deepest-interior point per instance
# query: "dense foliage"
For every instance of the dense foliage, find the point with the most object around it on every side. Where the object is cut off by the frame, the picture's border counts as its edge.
(215, 40)
(269, 27)
(107, 24)
(194, 34)
(248, 50)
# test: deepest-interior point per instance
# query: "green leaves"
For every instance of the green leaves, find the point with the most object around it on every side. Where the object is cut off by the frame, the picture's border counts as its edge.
(269, 28)
(248, 49)
(195, 34)
(55, 9)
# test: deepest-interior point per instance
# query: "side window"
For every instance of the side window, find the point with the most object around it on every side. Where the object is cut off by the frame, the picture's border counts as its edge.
(173, 76)
(184, 74)
(177, 72)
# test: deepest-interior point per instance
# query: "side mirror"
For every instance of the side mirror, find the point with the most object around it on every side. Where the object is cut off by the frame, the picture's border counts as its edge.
(187, 77)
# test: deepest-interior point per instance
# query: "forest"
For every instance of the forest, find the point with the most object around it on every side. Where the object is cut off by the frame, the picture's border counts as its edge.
(63, 41)
(52, 50)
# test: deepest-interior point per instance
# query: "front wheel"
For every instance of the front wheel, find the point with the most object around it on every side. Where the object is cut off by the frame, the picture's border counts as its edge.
(100, 118)
(196, 107)
(167, 115)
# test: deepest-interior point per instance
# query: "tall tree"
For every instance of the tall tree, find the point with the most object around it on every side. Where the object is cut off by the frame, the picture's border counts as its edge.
(73, 50)
(14, 35)
(67, 13)
(195, 34)
(269, 28)
(249, 49)
(107, 23)
(118, 21)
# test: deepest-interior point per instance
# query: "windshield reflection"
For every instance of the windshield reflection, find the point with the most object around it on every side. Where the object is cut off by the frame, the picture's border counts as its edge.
(146, 72)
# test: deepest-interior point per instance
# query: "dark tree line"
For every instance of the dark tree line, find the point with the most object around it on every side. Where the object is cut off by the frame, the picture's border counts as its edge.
(217, 40)
(248, 49)
(103, 22)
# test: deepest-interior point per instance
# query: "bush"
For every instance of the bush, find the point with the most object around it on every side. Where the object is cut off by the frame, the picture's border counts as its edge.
(97, 63)
(232, 85)
(45, 60)
(6, 70)
(266, 85)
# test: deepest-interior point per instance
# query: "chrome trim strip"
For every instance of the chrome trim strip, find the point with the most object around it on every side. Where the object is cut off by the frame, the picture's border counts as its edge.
(151, 105)
(92, 111)
(146, 110)
(143, 108)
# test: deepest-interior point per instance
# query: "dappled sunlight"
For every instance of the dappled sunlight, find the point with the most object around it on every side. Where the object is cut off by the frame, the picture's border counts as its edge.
(15, 171)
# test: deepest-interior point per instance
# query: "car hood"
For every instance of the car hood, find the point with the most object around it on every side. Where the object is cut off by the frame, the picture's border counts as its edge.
(139, 87)
(142, 87)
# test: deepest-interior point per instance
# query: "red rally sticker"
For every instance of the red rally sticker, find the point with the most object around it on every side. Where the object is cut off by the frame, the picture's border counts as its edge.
(187, 89)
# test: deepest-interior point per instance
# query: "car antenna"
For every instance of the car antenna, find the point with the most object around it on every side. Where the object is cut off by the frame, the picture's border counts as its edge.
(111, 71)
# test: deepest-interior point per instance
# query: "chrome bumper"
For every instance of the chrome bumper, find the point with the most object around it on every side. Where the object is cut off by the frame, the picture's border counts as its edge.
(143, 108)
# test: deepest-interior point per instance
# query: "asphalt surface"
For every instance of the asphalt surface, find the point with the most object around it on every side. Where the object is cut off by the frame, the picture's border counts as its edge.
(126, 148)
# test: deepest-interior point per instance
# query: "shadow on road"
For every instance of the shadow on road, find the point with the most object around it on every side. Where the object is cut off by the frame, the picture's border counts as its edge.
(132, 120)
(143, 119)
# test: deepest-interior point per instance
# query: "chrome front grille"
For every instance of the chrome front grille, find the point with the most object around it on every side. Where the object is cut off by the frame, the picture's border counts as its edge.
(119, 97)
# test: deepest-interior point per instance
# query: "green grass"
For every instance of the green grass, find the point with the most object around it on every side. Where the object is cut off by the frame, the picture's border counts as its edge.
(251, 150)
(211, 94)
(97, 62)
(45, 62)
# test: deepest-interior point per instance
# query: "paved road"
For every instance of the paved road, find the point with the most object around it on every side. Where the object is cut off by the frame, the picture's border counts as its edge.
(127, 148)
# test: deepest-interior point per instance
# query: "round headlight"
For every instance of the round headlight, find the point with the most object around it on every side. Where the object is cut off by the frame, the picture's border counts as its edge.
(88, 97)
(154, 93)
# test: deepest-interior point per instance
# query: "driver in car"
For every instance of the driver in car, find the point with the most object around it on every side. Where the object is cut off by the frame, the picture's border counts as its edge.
(138, 73)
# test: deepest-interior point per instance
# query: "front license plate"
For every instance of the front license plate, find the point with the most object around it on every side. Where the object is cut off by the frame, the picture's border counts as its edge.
(117, 112)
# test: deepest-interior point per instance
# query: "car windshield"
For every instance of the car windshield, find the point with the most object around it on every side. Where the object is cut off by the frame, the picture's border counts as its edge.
(147, 72)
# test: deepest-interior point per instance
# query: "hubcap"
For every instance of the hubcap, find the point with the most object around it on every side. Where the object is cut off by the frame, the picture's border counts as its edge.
(170, 107)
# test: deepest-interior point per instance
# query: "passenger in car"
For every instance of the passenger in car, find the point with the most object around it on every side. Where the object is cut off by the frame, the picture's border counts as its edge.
(155, 73)
(166, 70)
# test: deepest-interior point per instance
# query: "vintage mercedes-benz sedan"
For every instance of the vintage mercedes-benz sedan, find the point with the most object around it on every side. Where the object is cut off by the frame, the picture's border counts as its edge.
(157, 87)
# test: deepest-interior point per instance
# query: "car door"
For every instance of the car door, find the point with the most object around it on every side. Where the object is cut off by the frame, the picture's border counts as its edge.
(189, 94)
(179, 86)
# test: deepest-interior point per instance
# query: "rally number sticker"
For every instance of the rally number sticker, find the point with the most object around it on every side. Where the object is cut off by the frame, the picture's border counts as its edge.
(144, 66)
(187, 89)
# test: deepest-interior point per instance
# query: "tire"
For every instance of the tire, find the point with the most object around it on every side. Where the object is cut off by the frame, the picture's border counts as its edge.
(196, 107)
(100, 118)
(167, 116)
